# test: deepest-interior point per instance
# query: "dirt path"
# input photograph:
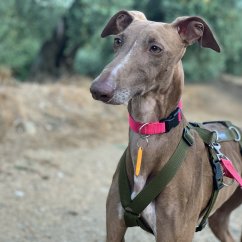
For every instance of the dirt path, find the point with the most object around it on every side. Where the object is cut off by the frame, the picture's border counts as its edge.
(58, 155)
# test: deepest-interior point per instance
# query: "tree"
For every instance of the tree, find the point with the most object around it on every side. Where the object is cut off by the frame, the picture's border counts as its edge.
(74, 30)
(226, 20)
(24, 25)
(48, 38)
(199, 64)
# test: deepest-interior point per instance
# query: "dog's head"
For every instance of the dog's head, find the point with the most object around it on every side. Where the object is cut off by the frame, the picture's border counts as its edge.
(146, 54)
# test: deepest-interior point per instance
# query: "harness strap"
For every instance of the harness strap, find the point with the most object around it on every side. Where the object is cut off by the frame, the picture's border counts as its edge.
(133, 208)
(217, 185)
(238, 132)
(207, 136)
(210, 137)
(211, 203)
(131, 219)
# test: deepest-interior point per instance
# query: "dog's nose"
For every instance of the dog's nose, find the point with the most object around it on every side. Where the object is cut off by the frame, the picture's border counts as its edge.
(102, 91)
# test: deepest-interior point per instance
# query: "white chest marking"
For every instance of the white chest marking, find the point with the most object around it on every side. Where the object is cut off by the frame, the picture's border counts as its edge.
(149, 212)
(120, 211)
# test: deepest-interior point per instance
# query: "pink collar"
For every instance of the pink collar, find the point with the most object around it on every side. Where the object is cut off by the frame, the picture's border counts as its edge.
(161, 127)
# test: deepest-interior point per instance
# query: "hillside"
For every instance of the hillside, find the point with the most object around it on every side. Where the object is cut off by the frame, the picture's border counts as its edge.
(59, 149)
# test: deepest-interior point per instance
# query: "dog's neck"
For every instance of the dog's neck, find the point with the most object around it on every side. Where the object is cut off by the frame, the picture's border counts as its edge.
(152, 107)
(157, 104)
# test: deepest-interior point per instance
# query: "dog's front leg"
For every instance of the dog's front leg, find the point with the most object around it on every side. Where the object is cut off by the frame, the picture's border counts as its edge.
(114, 214)
(173, 223)
(171, 233)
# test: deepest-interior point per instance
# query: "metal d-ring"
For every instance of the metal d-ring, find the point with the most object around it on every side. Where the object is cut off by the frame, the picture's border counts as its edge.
(138, 142)
(142, 135)
(217, 135)
(237, 133)
(142, 138)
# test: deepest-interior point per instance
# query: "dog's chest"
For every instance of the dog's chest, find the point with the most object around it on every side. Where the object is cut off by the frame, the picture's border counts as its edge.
(149, 213)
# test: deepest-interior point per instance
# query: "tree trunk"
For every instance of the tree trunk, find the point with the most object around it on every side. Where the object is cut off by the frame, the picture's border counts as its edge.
(57, 54)
(53, 60)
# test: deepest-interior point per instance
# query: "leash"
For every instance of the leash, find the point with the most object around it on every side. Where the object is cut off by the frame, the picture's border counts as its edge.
(219, 162)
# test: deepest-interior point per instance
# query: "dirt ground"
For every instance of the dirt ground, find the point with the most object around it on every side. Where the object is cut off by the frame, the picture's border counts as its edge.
(59, 149)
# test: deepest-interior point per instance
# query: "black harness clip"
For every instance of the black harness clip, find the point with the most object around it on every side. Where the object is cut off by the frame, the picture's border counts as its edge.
(172, 121)
(218, 175)
(201, 226)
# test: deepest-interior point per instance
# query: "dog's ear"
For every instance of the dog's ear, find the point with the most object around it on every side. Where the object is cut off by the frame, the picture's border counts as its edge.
(195, 29)
(120, 21)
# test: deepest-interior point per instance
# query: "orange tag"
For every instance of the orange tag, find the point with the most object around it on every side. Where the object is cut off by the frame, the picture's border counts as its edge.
(138, 161)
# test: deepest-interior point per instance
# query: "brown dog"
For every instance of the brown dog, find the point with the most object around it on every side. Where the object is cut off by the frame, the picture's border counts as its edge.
(147, 74)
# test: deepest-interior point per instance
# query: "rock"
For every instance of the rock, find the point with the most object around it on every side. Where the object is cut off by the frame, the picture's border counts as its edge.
(19, 193)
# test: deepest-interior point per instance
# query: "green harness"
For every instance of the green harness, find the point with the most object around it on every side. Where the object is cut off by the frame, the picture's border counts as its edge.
(134, 208)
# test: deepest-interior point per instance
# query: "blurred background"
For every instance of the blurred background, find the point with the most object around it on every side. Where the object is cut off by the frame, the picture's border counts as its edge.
(49, 38)
(59, 147)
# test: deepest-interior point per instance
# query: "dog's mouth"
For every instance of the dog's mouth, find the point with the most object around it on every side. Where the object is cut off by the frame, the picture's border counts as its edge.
(121, 96)
(115, 99)
(116, 96)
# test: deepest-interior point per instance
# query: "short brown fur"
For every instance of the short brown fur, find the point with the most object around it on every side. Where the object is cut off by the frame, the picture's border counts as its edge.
(151, 82)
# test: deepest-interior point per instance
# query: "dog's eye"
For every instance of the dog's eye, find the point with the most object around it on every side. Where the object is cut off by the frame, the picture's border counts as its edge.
(118, 42)
(155, 49)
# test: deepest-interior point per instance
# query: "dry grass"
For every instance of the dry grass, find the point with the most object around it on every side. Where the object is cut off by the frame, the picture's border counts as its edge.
(65, 107)
(59, 149)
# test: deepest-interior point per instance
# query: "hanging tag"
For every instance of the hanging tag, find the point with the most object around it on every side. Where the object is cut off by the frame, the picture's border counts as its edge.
(138, 161)
(230, 171)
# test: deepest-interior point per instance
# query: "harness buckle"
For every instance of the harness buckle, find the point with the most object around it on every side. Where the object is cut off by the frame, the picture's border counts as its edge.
(187, 136)
(172, 121)
(217, 147)
(218, 175)
(217, 168)
(131, 218)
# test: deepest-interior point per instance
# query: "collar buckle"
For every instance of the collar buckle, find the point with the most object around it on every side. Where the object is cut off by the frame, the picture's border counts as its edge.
(172, 121)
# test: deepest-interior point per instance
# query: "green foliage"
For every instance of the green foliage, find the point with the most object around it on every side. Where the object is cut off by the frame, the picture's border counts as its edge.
(26, 24)
(202, 64)
(96, 52)
(199, 64)
(91, 59)
(83, 20)
(226, 21)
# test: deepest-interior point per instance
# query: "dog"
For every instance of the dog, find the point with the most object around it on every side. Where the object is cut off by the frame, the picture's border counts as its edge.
(147, 75)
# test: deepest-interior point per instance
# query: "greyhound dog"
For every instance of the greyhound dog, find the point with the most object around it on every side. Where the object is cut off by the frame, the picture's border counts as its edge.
(147, 74)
